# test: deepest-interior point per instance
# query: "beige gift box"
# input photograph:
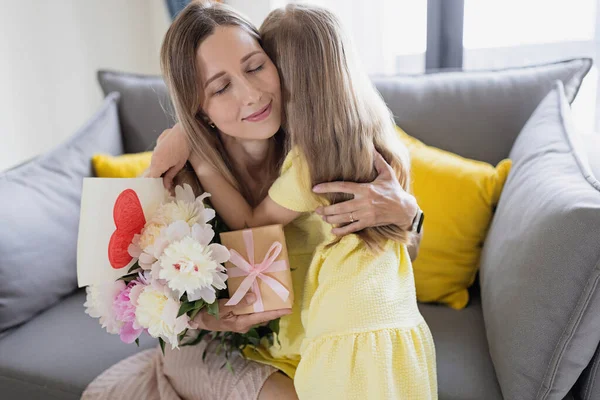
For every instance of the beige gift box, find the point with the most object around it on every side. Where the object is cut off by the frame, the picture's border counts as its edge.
(259, 264)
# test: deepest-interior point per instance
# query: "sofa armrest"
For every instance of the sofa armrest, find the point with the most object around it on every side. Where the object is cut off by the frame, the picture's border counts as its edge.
(588, 384)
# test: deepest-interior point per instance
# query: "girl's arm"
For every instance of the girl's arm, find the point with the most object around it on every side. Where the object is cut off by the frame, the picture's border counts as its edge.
(169, 156)
(231, 205)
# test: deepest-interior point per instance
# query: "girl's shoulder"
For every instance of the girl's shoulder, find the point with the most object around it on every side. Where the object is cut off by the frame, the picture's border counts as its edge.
(293, 159)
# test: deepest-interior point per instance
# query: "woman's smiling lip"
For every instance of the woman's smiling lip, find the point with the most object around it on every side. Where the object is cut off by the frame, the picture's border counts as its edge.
(259, 115)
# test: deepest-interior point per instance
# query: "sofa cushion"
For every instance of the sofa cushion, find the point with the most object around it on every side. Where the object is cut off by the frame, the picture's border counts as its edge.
(123, 166)
(58, 353)
(145, 109)
(455, 227)
(476, 114)
(39, 210)
(464, 368)
(540, 265)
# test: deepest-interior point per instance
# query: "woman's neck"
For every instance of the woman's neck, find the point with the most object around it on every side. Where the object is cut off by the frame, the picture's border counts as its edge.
(252, 160)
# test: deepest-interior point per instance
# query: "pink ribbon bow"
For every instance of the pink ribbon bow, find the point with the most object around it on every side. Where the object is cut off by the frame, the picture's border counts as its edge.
(253, 271)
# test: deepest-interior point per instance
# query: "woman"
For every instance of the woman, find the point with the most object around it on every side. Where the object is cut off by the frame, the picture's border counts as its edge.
(222, 83)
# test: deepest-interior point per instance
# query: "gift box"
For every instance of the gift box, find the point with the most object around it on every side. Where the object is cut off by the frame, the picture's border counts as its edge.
(258, 264)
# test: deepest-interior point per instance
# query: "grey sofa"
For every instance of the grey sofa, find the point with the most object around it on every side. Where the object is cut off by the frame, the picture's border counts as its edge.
(58, 349)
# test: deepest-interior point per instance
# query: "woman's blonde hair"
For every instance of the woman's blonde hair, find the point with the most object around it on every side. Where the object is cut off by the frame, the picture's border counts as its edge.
(190, 28)
(333, 114)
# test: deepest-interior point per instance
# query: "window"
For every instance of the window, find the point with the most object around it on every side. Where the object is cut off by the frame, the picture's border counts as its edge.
(507, 33)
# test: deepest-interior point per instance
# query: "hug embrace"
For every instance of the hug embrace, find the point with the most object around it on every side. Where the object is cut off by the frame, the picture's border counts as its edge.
(282, 126)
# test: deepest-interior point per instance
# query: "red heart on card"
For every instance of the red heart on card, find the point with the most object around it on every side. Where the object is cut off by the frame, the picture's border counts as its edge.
(129, 220)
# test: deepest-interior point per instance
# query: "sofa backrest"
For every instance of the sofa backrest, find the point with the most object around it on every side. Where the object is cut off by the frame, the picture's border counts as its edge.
(477, 115)
(474, 114)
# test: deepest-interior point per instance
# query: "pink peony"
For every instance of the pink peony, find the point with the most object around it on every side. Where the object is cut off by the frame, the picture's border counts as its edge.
(124, 307)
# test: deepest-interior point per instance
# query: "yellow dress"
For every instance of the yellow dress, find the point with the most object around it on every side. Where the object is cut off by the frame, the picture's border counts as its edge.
(355, 331)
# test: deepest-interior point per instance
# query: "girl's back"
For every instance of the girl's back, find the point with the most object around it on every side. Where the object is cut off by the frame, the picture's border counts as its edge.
(359, 311)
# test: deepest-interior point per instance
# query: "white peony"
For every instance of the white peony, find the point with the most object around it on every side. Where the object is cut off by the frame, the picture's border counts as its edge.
(99, 304)
(191, 264)
(149, 235)
(157, 312)
(184, 207)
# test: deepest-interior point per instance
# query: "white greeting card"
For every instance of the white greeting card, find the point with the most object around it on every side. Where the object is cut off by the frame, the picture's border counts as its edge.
(112, 211)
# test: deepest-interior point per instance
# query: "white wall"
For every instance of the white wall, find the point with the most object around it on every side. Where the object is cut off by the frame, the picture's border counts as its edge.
(49, 54)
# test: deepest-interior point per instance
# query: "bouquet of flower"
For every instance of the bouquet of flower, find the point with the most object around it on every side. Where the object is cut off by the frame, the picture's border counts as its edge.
(178, 271)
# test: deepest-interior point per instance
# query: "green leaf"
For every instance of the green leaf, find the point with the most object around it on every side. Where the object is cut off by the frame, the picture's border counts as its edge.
(184, 308)
(137, 341)
(127, 278)
(274, 325)
(229, 366)
(182, 335)
(198, 305)
(213, 309)
(162, 345)
(194, 313)
(253, 334)
(135, 266)
(198, 338)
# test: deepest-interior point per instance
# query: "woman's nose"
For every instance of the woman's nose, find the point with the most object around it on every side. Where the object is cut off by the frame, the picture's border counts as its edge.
(251, 94)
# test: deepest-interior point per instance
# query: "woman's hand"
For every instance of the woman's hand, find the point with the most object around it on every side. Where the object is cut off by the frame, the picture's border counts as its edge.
(169, 156)
(229, 322)
(381, 202)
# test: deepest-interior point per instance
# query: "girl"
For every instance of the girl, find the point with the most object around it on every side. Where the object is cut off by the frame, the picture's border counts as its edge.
(371, 343)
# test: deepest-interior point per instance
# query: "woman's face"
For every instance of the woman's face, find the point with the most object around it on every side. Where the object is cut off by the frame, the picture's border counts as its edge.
(240, 83)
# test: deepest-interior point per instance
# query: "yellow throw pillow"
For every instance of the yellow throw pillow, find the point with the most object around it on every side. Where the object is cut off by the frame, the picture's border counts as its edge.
(124, 166)
(458, 197)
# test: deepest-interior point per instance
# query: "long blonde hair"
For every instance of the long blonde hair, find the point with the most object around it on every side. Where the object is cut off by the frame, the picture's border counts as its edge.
(190, 28)
(333, 114)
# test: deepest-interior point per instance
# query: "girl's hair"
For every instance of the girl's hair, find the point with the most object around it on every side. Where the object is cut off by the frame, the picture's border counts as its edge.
(191, 27)
(333, 114)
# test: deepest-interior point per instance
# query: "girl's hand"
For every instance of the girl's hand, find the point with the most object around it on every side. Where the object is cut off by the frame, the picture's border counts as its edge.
(229, 322)
(170, 155)
(380, 202)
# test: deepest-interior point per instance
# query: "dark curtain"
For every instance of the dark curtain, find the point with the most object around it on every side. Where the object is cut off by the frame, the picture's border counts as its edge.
(175, 6)
(444, 35)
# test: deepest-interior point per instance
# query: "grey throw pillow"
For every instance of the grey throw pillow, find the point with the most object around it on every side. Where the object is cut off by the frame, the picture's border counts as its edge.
(39, 210)
(145, 108)
(540, 265)
(476, 114)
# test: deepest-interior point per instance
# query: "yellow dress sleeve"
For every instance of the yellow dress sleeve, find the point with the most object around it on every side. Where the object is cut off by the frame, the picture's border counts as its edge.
(292, 189)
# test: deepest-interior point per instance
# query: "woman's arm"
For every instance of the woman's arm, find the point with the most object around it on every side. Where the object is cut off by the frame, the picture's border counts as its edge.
(380, 202)
(233, 207)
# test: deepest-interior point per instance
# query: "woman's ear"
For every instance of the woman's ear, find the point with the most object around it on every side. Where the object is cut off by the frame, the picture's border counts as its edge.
(200, 115)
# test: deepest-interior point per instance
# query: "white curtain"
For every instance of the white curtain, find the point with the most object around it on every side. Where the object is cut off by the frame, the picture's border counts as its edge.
(389, 36)
(507, 33)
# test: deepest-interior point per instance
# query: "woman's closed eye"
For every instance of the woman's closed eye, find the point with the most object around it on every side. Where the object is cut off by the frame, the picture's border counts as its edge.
(223, 89)
(260, 67)
(250, 71)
